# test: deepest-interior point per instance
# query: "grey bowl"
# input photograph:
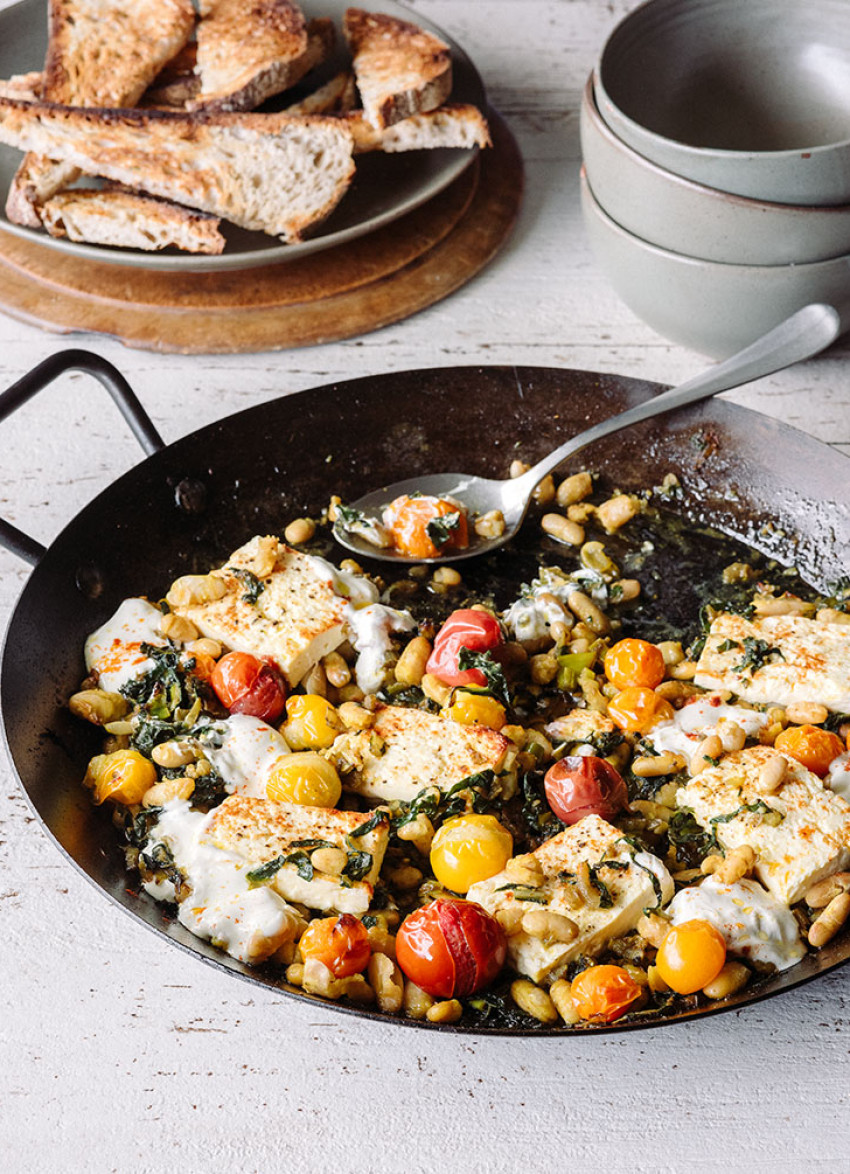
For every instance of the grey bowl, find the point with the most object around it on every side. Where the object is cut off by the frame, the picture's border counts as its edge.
(686, 217)
(748, 96)
(710, 307)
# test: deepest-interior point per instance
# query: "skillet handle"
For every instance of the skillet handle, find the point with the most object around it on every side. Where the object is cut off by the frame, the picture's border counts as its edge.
(122, 393)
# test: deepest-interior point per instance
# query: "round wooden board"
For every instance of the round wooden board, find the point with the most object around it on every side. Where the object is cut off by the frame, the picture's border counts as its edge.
(324, 297)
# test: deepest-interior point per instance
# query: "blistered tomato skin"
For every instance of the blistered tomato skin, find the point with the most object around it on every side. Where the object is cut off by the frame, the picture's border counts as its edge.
(636, 709)
(341, 943)
(634, 662)
(468, 849)
(581, 785)
(811, 746)
(604, 993)
(691, 956)
(450, 948)
(479, 631)
(245, 684)
(408, 520)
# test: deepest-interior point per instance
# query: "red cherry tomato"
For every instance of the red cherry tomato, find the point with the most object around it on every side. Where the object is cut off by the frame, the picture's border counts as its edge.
(450, 948)
(245, 684)
(466, 628)
(578, 785)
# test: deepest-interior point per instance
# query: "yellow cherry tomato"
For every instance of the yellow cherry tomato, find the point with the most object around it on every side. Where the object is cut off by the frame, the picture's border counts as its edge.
(311, 723)
(476, 709)
(813, 747)
(634, 662)
(604, 993)
(636, 710)
(341, 943)
(123, 777)
(470, 848)
(691, 956)
(306, 778)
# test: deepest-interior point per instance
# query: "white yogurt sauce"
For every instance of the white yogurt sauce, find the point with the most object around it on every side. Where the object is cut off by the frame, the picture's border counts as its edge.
(114, 649)
(698, 718)
(838, 778)
(754, 924)
(357, 590)
(244, 750)
(530, 616)
(369, 631)
(250, 924)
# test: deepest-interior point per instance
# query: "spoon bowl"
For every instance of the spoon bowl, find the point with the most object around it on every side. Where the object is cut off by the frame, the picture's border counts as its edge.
(806, 333)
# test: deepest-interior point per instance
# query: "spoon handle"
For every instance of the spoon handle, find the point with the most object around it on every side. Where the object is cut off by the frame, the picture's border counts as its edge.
(804, 334)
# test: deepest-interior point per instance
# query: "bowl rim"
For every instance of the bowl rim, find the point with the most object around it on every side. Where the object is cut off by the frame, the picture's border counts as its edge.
(806, 266)
(704, 153)
(590, 103)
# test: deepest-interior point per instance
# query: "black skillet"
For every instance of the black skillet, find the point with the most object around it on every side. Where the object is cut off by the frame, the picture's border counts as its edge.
(190, 503)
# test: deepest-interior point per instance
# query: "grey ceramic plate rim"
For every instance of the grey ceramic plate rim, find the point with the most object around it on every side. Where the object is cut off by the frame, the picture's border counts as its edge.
(453, 165)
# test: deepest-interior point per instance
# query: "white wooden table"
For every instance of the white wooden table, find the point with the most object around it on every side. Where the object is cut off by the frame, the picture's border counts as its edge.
(119, 1052)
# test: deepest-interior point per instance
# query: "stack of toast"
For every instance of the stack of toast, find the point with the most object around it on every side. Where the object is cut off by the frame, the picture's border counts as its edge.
(158, 102)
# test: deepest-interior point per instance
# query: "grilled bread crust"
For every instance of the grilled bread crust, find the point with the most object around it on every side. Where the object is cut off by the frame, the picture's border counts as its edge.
(401, 70)
(130, 221)
(266, 172)
(98, 54)
(459, 126)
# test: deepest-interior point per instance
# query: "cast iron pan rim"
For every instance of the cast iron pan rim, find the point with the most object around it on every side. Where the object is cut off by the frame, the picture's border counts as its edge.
(260, 978)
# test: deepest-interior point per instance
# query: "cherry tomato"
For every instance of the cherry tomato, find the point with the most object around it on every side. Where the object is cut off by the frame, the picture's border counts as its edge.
(245, 684)
(478, 631)
(691, 956)
(634, 662)
(581, 785)
(122, 776)
(341, 943)
(604, 993)
(416, 529)
(470, 848)
(204, 665)
(450, 948)
(476, 709)
(813, 747)
(637, 709)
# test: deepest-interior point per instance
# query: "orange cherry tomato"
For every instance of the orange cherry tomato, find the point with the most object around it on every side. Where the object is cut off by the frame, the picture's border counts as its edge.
(813, 747)
(342, 943)
(604, 993)
(691, 956)
(478, 631)
(634, 662)
(245, 684)
(637, 709)
(417, 529)
(581, 785)
(450, 948)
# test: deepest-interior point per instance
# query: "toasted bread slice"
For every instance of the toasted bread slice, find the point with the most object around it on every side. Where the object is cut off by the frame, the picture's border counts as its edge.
(248, 53)
(176, 82)
(459, 126)
(26, 87)
(261, 831)
(338, 96)
(266, 172)
(401, 70)
(99, 53)
(407, 750)
(129, 221)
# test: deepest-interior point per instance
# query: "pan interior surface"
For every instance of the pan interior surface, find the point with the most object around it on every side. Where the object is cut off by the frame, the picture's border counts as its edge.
(189, 506)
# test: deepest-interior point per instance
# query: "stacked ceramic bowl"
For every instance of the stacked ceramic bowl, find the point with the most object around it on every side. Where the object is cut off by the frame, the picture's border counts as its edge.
(716, 178)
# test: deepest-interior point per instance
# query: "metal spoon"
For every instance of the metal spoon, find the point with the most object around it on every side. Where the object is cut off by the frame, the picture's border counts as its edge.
(804, 334)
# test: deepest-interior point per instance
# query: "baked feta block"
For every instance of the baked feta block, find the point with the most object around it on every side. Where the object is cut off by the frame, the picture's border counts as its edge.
(788, 658)
(279, 603)
(407, 750)
(800, 833)
(261, 831)
(624, 883)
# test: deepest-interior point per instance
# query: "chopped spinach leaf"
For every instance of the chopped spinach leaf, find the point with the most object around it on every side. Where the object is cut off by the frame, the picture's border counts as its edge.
(266, 872)
(439, 529)
(758, 808)
(349, 516)
(692, 842)
(757, 653)
(358, 864)
(524, 893)
(727, 646)
(378, 819)
(254, 587)
(494, 674)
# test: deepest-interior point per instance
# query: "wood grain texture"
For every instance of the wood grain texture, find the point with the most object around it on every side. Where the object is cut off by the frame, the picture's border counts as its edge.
(118, 1052)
